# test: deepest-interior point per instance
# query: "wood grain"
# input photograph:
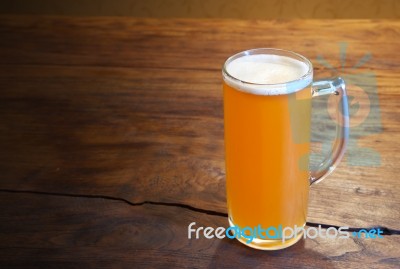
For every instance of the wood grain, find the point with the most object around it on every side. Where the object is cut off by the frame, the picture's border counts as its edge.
(235, 9)
(132, 109)
(95, 233)
(77, 139)
(188, 44)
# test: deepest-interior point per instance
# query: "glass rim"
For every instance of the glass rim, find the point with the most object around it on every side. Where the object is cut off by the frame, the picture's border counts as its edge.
(269, 51)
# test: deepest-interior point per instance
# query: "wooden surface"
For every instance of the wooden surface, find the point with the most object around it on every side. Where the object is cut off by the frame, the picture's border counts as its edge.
(234, 9)
(112, 143)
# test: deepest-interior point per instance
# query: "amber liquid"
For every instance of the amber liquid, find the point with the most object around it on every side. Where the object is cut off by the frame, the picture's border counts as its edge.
(267, 147)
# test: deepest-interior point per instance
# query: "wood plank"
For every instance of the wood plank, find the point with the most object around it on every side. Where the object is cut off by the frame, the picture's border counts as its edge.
(132, 109)
(103, 130)
(188, 43)
(73, 232)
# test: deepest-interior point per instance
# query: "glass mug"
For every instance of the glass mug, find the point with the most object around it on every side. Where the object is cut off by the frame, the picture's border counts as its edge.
(267, 122)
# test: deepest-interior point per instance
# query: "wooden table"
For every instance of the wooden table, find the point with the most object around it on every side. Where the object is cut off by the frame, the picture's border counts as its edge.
(112, 143)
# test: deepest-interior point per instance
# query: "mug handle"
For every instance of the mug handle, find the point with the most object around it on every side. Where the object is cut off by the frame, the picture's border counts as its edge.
(335, 87)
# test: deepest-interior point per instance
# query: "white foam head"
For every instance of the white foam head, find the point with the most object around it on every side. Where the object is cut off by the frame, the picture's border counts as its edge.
(267, 74)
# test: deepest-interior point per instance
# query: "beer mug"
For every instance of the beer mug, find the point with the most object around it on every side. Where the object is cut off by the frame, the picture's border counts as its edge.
(267, 122)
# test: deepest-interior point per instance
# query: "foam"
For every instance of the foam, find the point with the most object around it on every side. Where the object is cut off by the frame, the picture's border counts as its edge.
(268, 74)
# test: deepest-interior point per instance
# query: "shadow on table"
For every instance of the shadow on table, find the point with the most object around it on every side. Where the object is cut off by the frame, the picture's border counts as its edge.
(231, 253)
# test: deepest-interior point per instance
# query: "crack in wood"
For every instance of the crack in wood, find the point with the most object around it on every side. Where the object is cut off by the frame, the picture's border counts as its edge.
(385, 230)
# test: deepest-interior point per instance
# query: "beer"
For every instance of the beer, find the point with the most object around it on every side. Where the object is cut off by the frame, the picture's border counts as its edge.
(267, 117)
